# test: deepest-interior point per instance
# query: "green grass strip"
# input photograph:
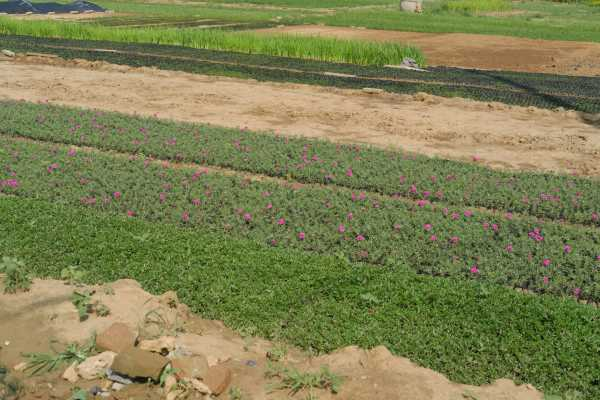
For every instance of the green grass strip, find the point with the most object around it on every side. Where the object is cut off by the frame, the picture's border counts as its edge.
(517, 252)
(315, 48)
(472, 332)
(425, 180)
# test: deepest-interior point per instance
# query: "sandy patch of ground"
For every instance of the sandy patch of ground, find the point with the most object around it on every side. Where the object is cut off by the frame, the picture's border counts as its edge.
(478, 51)
(502, 136)
(30, 320)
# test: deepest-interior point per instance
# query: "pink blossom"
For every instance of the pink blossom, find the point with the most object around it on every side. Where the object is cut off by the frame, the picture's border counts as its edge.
(360, 238)
(52, 167)
(301, 236)
(196, 202)
(433, 238)
(350, 216)
(598, 257)
(595, 217)
(130, 213)
(474, 269)
(269, 206)
(476, 158)
(426, 194)
(349, 172)
(427, 227)
(495, 227)
(546, 280)
(445, 211)
(281, 221)
(486, 226)
(247, 217)
(567, 249)
(454, 216)
(508, 216)
(413, 189)
(577, 292)
(362, 196)
(341, 228)
(422, 203)
(273, 242)
(546, 262)
(162, 197)
(402, 179)
(397, 227)
(454, 240)
(468, 213)
(11, 183)
(117, 195)
(72, 152)
(509, 248)
(185, 217)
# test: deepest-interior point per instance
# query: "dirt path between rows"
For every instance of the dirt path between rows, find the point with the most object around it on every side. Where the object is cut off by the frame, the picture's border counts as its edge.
(478, 51)
(499, 135)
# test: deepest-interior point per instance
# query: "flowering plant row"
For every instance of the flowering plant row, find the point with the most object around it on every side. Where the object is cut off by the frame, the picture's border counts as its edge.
(442, 241)
(426, 180)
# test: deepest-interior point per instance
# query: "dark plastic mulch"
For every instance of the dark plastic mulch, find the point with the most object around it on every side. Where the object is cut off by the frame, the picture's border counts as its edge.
(24, 6)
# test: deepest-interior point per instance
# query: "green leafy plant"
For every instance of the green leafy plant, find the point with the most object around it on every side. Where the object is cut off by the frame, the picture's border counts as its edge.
(296, 380)
(16, 276)
(73, 275)
(235, 393)
(48, 362)
(82, 300)
(10, 387)
(79, 394)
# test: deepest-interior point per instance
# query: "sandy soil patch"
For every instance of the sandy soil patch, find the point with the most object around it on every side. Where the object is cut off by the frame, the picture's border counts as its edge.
(29, 321)
(478, 51)
(502, 136)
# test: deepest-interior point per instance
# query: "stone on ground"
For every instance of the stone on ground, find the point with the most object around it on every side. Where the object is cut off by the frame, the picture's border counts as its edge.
(137, 363)
(117, 338)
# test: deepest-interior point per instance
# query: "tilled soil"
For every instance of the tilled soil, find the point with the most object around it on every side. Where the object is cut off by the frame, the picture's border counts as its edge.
(466, 50)
(500, 136)
(29, 321)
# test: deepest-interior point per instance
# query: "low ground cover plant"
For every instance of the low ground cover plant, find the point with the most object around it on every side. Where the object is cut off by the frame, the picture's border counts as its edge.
(471, 331)
(448, 241)
(427, 181)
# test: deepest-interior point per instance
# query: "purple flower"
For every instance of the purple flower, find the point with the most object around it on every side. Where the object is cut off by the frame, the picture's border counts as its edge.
(350, 216)
(11, 183)
(117, 195)
(281, 221)
(595, 217)
(454, 240)
(72, 152)
(567, 249)
(422, 203)
(196, 202)
(269, 206)
(433, 238)
(130, 213)
(349, 172)
(468, 213)
(52, 167)
(509, 248)
(546, 280)
(474, 269)
(495, 227)
(546, 262)
(341, 228)
(247, 217)
(185, 217)
(301, 236)
(577, 291)
(427, 227)
(360, 238)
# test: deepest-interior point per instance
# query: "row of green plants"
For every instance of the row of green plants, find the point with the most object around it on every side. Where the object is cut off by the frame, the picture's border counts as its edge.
(424, 180)
(451, 242)
(316, 48)
(472, 332)
(580, 94)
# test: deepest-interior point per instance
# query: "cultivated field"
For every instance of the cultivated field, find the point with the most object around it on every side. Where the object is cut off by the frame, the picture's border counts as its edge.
(312, 193)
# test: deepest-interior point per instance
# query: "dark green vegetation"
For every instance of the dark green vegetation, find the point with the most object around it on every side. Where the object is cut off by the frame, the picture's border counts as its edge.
(471, 331)
(524, 253)
(548, 91)
(422, 179)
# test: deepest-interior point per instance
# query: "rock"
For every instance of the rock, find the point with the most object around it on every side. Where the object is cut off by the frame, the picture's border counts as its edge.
(216, 349)
(218, 378)
(162, 345)
(190, 367)
(415, 6)
(201, 387)
(372, 90)
(137, 363)
(170, 383)
(20, 366)
(8, 53)
(70, 373)
(116, 386)
(117, 338)
(111, 376)
(174, 395)
(95, 366)
(169, 299)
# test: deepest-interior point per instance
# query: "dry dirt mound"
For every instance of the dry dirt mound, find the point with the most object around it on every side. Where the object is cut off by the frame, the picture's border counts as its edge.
(203, 352)
(478, 51)
(501, 136)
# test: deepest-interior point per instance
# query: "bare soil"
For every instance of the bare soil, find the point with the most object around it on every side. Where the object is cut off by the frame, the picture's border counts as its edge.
(500, 136)
(477, 51)
(29, 321)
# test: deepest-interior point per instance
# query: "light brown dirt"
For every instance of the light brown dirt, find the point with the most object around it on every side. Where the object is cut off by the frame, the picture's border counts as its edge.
(477, 51)
(372, 374)
(499, 135)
